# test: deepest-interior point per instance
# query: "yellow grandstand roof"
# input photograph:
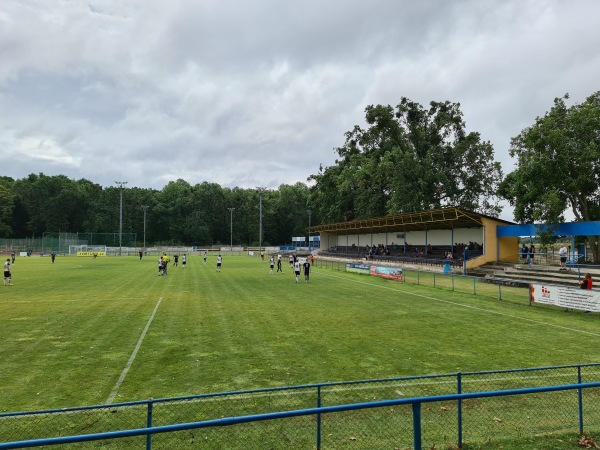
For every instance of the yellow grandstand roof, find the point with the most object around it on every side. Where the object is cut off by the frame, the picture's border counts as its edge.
(437, 219)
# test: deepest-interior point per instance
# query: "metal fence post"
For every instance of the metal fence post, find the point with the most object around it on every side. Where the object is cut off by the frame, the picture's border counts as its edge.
(318, 418)
(459, 406)
(500, 289)
(417, 444)
(474, 285)
(580, 400)
(433, 279)
(149, 424)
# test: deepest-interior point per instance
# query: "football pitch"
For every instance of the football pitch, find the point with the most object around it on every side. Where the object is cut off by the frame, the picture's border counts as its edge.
(86, 331)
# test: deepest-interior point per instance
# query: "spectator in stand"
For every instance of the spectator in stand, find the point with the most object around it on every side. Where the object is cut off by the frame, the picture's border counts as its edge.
(586, 283)
(531, 254)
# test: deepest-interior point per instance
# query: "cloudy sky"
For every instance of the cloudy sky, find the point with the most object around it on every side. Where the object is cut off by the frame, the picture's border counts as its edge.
(258, 93)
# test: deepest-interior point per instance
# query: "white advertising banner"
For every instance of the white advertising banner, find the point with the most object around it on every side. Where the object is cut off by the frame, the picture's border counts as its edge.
(566, 297)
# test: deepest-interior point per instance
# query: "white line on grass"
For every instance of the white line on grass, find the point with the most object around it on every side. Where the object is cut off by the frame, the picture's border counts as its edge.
(113, 394)
(467, 306)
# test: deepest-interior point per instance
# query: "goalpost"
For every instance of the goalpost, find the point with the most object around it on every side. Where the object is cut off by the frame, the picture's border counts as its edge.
(87, 250)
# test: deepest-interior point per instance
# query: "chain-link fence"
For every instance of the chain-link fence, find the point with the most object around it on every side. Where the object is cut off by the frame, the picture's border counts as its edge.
(508, 290)
(60, 242)
(361, 424)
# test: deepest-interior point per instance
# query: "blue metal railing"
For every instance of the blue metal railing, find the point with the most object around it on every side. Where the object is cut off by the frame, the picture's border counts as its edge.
(228, 421)
(319, 410)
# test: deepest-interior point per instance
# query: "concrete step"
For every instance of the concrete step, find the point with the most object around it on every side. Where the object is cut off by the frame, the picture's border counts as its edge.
(532, 278)
(522, 274)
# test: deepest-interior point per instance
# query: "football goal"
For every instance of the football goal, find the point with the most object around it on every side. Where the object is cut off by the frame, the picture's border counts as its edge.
(87, 250)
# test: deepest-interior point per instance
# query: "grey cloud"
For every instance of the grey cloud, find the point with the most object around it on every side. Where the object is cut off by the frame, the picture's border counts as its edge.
(259, 93)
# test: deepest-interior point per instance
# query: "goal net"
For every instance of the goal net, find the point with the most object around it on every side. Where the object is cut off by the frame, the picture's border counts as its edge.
(87, 250)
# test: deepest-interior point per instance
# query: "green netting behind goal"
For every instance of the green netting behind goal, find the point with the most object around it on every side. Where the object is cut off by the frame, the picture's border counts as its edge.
(60, 242)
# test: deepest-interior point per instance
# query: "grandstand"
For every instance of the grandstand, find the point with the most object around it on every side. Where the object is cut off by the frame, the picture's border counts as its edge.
(421, 238)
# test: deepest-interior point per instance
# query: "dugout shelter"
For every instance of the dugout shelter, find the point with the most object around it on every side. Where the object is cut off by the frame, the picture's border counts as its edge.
(441, 230)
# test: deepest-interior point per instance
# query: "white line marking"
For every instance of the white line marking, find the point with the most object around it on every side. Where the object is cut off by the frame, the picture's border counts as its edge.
(113, 394)
(468, 306)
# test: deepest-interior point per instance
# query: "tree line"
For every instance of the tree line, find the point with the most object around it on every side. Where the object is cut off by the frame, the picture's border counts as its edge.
(178, 214)
(406, 158)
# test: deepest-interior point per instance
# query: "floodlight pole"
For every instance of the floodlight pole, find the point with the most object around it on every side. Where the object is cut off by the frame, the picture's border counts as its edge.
(231, 227)
(145, 208)
(260, 193)
(309, 213)
(120, 184)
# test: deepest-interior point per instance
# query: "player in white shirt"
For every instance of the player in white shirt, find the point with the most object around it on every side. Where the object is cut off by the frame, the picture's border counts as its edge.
(7, 275)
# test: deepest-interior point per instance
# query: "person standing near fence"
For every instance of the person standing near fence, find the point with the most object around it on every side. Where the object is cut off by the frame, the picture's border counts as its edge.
(531, 254)
(53, 256)
(524, 253)
(219, 261)
(562, 253)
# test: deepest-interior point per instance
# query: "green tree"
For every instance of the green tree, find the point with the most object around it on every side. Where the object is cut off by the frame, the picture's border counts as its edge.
(133, 213)
(178, 214)
(173, 210)
(245, 216)
(290, 212)
(6, 207)
(409, 159)
(212, 218)
(54, 203)
(558, 166)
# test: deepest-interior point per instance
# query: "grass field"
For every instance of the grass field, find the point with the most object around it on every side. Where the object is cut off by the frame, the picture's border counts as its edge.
(86, 331)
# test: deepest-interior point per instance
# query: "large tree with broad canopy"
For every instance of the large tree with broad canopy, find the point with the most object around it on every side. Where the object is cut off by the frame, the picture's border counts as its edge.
(409, 158)
(558, 166)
